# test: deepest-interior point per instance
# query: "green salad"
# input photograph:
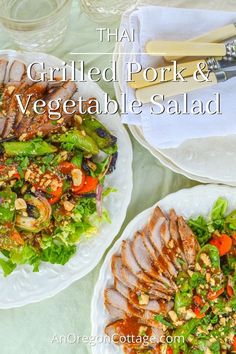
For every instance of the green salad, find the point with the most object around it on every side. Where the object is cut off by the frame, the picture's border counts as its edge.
(51, 193)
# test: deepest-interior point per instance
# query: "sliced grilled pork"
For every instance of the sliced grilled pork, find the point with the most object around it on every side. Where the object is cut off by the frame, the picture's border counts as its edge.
(23, 121)
(133, 283)
(3, 70)
(154, 226)
(169, 247)
(129, 280)
(144, 260)
(13, 108)
(114, 298)
(190, 243)
(174, 232)
(159, 261)
(17, 71)
(142, 300)
(130, 262)
(42, 123)
(115, 313)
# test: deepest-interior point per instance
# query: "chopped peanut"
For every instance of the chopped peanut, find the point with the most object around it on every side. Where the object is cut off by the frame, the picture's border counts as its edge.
(68, 206)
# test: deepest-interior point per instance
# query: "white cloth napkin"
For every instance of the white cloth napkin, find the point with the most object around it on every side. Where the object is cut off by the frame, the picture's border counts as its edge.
(165, 23)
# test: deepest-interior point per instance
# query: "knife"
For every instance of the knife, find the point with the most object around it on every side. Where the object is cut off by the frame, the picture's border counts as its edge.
(216, 36)
(174, 88)
(212, 64)
(191, 49)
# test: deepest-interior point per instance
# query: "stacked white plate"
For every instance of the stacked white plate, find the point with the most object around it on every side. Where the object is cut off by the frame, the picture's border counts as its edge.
(207, 160)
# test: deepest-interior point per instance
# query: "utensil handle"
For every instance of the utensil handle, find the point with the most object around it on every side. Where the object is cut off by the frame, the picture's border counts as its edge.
(174, 88)
(215, 36)
(181, 48)
(140, 81)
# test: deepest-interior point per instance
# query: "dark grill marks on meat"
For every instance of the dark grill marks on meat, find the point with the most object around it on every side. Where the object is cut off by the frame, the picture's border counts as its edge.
(24, 126)
(16, 83)
(65, 92)
(23, 121)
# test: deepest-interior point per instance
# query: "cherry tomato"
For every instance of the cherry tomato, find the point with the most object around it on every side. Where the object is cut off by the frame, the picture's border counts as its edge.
(90, 185)
(198, 313)
(66, 167)
(230, 290)
(56, 195)
(234, 344)
(197, 300)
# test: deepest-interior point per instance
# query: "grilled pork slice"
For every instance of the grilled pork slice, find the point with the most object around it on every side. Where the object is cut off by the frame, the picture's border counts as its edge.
(115, 313)
(114, 298)
(130, 262)
(190, 243)
(3, 70)
(23, 121)
(169, 247)
(154, 227)
(159, 261)
(64, 92)
(142, 300)
(2, 124)
(145, 262)
(148, 289)
(66, 119)
(17, 71)
(13, 108)
(131, 281)
(174, 232)
(135, 329)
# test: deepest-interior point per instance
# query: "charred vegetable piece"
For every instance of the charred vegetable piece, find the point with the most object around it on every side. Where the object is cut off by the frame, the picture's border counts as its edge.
(28, 148)
(31, 224)
(101, 135)
(75, 139)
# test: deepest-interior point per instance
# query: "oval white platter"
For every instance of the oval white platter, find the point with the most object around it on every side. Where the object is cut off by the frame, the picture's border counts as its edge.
(24, 286)
(207, 160)
(188, 203)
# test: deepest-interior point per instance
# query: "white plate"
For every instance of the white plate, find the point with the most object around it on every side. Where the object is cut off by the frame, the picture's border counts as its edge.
(207, 160)
(23, 286)
(188, 203)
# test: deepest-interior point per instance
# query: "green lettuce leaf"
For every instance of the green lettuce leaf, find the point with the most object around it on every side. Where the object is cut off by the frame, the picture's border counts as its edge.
(7, 266)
